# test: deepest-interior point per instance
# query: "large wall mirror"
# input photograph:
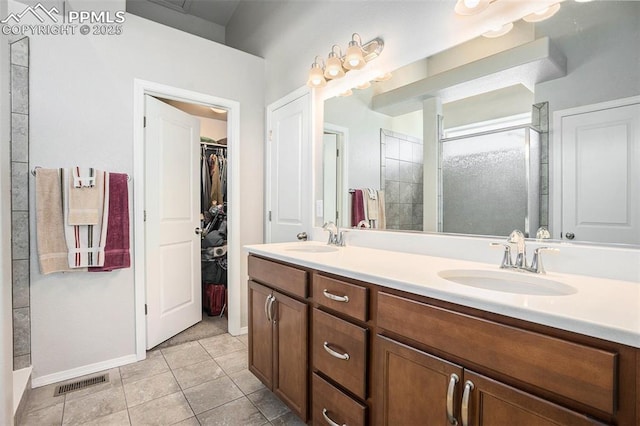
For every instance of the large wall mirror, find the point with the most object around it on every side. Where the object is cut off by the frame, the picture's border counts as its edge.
(477, 156)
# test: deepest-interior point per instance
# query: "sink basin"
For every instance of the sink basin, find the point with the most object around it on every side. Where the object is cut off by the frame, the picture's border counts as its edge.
(508, 282)
(312, 248)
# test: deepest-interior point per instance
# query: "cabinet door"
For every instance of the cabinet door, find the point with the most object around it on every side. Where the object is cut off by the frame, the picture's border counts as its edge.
(413, 386)
(291, 322)
(260, 334)
(494, 403)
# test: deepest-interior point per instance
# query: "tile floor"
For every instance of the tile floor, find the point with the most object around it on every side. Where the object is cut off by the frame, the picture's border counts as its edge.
(202, 382)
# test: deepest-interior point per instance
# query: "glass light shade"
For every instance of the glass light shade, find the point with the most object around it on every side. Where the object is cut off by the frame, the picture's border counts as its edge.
(353, 59)
(347, 92)
(316, 77)
(383, 76)
(334, 67)
(543, 14)
(499, 32)
(471, 7)
(364, 85)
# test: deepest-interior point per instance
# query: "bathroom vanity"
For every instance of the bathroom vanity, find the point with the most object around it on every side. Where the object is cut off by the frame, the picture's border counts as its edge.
(356, 336)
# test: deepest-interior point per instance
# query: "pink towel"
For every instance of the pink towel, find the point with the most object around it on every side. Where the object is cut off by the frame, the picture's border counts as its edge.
(116, 252)
(357, 207)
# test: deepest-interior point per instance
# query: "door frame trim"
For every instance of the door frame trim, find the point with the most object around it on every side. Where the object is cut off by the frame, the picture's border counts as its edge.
(140, 89)
(343, 145)
(555, 157)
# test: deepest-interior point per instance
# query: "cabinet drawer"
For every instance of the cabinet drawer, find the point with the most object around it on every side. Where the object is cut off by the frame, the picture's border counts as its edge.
(340, 351)
(334, 404)
(581, 373)
(349, 299)
(287, 278)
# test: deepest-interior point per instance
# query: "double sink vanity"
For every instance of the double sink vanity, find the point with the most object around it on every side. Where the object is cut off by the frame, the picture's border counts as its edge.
(356, 336)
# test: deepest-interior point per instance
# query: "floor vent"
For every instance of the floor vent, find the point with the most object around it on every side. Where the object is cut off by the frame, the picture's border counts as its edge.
(81, 384)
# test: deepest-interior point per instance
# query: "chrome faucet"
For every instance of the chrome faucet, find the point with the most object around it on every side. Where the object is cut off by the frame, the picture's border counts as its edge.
(336, 237)
(517, 238)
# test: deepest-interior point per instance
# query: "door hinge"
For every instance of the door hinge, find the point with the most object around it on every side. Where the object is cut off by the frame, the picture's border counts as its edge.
(337, 153)
(145, 309)
(270, 135)
(269, 215)
(145, 216)
(144, 121)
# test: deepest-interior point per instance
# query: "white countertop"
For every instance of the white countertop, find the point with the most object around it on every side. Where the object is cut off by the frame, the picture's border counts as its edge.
(602, 308)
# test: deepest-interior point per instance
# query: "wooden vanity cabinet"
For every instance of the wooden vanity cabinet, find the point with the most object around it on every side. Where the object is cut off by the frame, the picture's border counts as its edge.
(340, 346)
(576, 384)
(278, 331)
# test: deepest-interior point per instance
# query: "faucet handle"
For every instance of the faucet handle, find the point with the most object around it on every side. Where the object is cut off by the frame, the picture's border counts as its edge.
(506, 257)
(536, 263)
(340, 238)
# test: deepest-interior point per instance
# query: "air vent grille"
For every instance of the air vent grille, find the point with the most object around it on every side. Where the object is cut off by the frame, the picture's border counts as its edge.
(81, 384)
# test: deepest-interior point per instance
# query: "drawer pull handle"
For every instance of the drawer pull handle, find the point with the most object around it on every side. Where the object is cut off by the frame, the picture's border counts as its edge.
(333, 353)
(453, 380)
(464, 412)
(328, 419)
(266, 307)
(273, 299)
(328, 295)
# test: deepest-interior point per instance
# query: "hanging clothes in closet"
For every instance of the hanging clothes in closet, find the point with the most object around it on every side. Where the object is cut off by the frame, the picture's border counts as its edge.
(214, 175)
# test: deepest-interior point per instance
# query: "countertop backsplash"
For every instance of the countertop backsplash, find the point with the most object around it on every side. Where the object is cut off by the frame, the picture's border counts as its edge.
(613, 262)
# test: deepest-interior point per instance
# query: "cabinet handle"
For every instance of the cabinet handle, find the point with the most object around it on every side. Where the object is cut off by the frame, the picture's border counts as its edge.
(328, 419)
(344, 356)
(273, 299)
(464, 411)
(328, 295)
(453, 380)
(266, 307)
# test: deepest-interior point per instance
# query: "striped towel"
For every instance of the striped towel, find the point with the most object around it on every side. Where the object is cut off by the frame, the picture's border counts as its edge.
(84, 198)
(86, 242)
(84, 177)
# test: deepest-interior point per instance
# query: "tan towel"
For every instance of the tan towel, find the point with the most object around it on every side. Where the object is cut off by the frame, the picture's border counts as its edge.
(86, 242)
(382, 216)
(52, 247)
(84, 197)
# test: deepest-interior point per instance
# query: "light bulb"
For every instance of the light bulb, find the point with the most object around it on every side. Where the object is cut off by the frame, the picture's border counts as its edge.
(471, 3)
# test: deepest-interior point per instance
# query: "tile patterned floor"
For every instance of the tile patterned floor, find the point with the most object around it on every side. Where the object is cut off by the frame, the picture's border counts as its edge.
(203, 382)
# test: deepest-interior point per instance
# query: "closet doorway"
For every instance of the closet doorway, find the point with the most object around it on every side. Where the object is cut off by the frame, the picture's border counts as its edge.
(203, 247)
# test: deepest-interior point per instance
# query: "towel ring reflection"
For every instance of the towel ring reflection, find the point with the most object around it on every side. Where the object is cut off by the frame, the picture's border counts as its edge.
(33, 172)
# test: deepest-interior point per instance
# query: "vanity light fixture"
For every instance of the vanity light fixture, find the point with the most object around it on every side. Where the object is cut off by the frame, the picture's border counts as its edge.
(346, 93)
(316, 74)
(471, 7)
(334, 64)
(363, 85)
(543, 14)
(355, 58)
(383, 76)
(500, 31)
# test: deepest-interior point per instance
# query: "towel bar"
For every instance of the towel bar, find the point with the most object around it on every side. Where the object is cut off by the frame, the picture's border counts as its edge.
(33, 172)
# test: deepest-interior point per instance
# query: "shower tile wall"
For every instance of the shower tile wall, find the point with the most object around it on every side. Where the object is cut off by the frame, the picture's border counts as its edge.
(540, 120)
(401, 179)
(20, 202)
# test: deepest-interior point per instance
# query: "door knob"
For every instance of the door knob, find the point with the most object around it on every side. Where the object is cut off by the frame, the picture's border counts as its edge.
(570, 235)
(198, 231)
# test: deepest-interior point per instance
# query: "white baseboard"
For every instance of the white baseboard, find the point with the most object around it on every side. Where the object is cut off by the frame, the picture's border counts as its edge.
(20, 380)
(37, 382)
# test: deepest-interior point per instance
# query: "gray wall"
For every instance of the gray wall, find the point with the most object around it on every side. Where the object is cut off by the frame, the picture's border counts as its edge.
(602, 49)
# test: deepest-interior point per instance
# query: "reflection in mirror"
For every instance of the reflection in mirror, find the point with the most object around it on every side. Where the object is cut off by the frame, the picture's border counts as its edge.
(590, 56)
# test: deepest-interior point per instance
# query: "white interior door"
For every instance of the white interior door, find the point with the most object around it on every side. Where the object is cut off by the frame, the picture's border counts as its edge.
(601, 175)
(172, 197)
(289, 188)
